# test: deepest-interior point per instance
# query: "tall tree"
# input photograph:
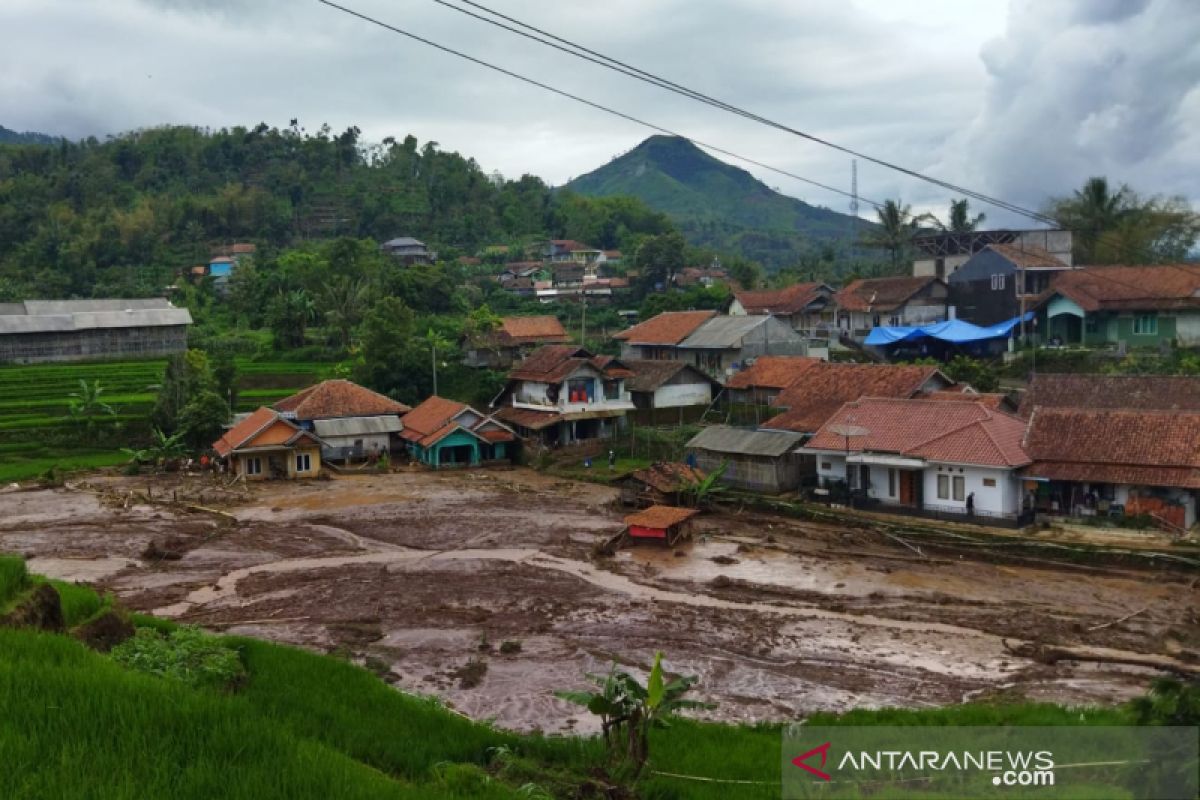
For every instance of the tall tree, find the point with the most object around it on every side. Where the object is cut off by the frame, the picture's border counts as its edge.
(1118, 226)
(898, 226)
(959, 219)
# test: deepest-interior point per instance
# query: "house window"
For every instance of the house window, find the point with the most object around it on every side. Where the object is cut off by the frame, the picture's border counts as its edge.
(253, 466)
(943, 487)
(612, 390)
(960, 487)
(891, 483)
(998, 283)
(303, 462)
(989, 483)
(1145, 324)
(580, 390)
(893, 321)
(1091, 324)
(875, 320)
(827, 466)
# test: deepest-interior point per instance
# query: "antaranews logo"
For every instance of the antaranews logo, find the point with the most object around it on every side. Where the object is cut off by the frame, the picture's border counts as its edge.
(977, 761)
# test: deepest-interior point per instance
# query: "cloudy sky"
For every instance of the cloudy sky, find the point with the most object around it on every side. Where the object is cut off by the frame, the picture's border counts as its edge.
(1020, 99)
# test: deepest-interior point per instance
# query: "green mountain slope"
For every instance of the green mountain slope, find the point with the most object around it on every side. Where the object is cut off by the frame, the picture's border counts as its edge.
(8, 136)
(717, 204)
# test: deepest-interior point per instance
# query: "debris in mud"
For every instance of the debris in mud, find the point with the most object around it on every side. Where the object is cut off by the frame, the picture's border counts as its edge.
(356, 633)
(470, 674)
(510, 647)
(171, 548)
(105, 631)
(42, 609)
(724, 559)
(721, 582)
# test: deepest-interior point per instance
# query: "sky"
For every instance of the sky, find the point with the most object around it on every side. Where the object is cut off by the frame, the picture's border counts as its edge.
(1019, 99)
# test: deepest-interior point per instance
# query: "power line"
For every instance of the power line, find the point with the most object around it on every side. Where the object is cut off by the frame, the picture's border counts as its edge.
(593, 56)
(585, 101)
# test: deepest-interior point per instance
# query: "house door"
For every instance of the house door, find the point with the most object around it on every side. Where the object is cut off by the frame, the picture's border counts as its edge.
(908, 492)
(864, 478)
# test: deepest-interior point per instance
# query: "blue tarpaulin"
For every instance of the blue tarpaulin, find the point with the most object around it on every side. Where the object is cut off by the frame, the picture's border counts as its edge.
(954, 331)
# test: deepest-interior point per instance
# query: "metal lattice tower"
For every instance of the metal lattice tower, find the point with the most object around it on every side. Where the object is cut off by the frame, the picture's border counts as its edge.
(854, 187)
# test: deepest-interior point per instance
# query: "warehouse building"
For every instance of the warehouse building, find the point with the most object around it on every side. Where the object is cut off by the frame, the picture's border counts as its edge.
(78, 330)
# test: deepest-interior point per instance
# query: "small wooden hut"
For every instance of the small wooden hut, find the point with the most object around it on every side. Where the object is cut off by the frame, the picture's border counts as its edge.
(667, 524)
(659, 484)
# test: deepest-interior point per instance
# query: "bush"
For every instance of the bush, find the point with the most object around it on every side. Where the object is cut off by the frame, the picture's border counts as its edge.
(13, 578)
(186, 654)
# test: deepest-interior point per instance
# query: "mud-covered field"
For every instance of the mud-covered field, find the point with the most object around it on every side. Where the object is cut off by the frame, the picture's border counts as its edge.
(484, 588)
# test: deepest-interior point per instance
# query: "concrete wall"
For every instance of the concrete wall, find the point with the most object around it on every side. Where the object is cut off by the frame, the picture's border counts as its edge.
(1002, 498)
(1187, 328)
(684, 394)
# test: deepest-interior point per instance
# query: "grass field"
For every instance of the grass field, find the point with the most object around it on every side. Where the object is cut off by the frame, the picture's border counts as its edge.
(34, 403)
(73, 723)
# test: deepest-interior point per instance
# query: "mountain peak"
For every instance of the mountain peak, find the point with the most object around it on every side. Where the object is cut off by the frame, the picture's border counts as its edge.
(715, 203)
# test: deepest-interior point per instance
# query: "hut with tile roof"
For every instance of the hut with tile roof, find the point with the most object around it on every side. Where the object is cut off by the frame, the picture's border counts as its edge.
(447, 433)
(353, 422)
(512, 340)
(265, 445)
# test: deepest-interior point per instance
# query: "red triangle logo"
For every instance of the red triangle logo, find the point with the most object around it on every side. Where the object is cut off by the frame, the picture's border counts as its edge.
(823, 750)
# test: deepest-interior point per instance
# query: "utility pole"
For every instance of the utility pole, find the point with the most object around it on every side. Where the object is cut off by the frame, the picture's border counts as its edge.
(583, 322)
(433, 361)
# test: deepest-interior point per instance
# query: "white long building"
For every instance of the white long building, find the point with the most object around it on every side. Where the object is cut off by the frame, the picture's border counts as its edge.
(36, 331)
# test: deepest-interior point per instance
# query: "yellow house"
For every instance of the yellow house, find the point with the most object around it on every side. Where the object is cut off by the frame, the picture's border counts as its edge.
(265, 445)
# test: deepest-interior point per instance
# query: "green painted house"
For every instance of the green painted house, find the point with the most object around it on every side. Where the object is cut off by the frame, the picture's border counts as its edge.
(446, 433)
(1137, 306)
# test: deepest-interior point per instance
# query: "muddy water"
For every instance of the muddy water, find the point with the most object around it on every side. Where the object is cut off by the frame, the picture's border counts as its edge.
(812, 618)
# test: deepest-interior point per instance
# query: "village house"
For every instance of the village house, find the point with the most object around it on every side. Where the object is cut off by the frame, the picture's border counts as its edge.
(1115, 462)
(766, 378)
(702, 276)
(1002, 281)
(36, 331)
(408, 250)
(559, 251)
(722, 346)
(668, 384)
(808, 403)
(659, 337)
(666, 524)
(940, 255)
(873, 302)
(446, 433)
(662, 483)
(512, 340)
(757, 461)
(1129, 392)
(921, 456)
(807, 307)
(1123, 306)
(265, 445)
(353, 422)
(562, 394)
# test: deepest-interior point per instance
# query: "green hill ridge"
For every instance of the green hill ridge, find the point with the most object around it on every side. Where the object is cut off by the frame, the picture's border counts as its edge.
(717, 204)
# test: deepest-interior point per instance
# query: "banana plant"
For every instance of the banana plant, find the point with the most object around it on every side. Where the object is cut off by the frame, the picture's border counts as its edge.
(628, 710)
(703, 492)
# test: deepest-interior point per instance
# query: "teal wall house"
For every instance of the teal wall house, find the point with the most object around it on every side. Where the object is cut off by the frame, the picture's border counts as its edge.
(1135, 306)
(445, 433)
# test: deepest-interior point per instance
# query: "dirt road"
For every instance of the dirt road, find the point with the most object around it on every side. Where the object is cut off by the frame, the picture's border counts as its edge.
(482, 588)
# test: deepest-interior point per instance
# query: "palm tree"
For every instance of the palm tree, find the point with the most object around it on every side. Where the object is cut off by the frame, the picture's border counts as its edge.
(343, 301)
(960, 219)
(1092, 212)
(896, 231)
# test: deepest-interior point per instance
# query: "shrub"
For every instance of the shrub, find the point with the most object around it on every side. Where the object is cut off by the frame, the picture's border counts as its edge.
(13, 578)
(186, 654)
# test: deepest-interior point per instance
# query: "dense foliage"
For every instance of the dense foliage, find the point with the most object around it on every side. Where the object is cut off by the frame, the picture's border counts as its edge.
(119, 217)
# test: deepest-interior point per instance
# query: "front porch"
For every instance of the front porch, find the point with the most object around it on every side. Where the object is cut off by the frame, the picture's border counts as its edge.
(1170, 507)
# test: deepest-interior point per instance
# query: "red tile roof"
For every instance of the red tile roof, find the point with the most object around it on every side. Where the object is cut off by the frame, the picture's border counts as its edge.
(1028, 256)
(527, 417)
(528, 330)
(1131, 288)
(570, 245)
(880, 294)
(648, 375)
(825, 387)
(997, 401)
(263, 428)
(1129, 392)
(553, 363)
(669, 327)
(962, 432)
(1157, 448)
(339, 398)
(668, 476)
(772, 372)
(791, 300)
(430, 417)
(661, 517)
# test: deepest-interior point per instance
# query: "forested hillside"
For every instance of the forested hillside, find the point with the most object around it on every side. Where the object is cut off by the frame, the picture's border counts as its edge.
(121, 216)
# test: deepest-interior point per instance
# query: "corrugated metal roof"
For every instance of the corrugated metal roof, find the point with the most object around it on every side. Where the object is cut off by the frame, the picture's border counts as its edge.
(56, 316)
(723, 332)
(357, 426)
(723, 439)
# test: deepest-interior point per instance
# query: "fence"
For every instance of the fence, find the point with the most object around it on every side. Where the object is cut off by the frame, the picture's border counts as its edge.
(950, 514)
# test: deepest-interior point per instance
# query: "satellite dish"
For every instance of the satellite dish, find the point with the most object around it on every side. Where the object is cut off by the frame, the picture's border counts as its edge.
(848, 430)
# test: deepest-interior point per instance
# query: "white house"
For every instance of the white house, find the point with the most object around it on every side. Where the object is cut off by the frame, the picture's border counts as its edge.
(943, 457)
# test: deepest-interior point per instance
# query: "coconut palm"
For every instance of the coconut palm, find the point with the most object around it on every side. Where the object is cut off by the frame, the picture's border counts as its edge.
(960, 219)
(897, 228)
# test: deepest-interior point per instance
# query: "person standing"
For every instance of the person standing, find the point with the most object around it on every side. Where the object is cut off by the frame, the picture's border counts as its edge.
(971, 504)
(612, 460)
